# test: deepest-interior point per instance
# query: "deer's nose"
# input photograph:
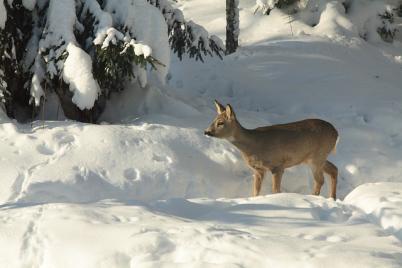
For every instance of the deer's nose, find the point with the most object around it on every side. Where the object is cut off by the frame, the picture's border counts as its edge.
(208, 133)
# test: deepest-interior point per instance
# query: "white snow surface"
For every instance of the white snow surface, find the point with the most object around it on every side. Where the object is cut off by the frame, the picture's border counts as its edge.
(283, 230)
(382, 202)
(146, 188)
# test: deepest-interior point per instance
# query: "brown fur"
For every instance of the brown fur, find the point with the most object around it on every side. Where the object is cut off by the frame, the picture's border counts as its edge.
(275, 148)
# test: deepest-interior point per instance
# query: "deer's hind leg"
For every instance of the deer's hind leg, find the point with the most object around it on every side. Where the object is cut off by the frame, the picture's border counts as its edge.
(258, 178)
(318, 173)
(332, 171)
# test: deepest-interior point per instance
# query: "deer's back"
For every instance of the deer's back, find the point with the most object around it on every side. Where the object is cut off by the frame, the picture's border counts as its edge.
(292, 143)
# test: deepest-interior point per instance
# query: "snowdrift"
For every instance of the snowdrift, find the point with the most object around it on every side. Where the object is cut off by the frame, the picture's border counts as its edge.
(282, 230)
(150, 145)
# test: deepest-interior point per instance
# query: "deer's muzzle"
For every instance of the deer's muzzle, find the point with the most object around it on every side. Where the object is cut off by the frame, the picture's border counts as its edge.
(208, 133)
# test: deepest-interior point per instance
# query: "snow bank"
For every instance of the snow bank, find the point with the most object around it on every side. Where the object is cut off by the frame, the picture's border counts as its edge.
(281, 230)
(382, 202)
(142, 161)
(346, 81)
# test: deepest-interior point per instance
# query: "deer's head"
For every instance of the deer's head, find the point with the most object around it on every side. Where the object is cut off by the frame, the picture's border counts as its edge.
(224, 123)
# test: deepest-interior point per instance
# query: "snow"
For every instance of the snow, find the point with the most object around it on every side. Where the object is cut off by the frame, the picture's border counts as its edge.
(152, 37)
(33, 62)
(77, 72)
(105, 21)
(36, 89)
(281, 230)
(265, 5)
(77, 68)
(29, 4)
(112, 35)
(146, 188)
(333, 20)
(383, 204)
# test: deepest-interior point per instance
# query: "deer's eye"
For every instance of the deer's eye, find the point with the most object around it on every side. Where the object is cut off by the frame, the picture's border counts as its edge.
(220, 123)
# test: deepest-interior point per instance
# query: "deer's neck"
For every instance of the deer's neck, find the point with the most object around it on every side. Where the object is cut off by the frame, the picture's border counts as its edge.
(240, 138)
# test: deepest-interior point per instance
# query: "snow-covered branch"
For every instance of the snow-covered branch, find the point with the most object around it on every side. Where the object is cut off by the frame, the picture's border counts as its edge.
(187, 37)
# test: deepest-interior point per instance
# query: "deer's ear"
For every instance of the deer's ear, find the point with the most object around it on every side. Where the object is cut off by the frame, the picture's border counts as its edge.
(229, 112)
(219, 107)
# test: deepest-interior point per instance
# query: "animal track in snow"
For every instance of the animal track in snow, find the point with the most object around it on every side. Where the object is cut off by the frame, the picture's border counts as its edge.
(64, 138)
(138, 141)
(45, 149)
(17, 185)
(123, 219)
(324, 237)
(52, 154)
(132, 174)
(313, 252)
(32, 248)
(159, 158)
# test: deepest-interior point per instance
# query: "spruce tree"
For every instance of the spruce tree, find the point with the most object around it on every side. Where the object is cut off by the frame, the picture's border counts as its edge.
(14, 74)
(187, 37)
(85, 50)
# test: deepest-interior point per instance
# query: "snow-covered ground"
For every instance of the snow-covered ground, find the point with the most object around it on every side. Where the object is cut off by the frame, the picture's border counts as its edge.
(283, 230)
(146, 189)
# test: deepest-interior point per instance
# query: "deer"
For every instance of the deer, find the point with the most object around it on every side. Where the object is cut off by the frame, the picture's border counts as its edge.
(275, 148)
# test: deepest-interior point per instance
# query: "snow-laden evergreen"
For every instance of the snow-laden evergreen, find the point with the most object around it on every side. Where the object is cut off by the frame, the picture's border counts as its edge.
(371, 20)
(187, 37)
(85, 50)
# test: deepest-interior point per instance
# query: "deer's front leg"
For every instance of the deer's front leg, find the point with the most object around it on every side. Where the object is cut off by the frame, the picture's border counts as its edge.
(276, 180)
(258, 178)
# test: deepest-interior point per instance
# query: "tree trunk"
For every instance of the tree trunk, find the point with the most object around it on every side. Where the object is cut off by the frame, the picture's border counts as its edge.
(232, 25)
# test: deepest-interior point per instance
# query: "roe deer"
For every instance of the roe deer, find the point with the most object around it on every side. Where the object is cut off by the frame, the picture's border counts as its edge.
(277, 147)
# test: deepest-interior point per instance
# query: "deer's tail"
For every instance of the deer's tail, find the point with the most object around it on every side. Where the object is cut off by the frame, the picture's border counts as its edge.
(336, 143)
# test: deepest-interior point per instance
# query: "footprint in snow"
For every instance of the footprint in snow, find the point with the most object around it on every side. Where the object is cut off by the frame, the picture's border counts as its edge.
(324, 237)
(313, 252)
(147, 126)
(138, 141)
(31, 137)
(45, 149)
(336, 238)
(132, 174)
(159, 158)
(64, 138)
(122, 219)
